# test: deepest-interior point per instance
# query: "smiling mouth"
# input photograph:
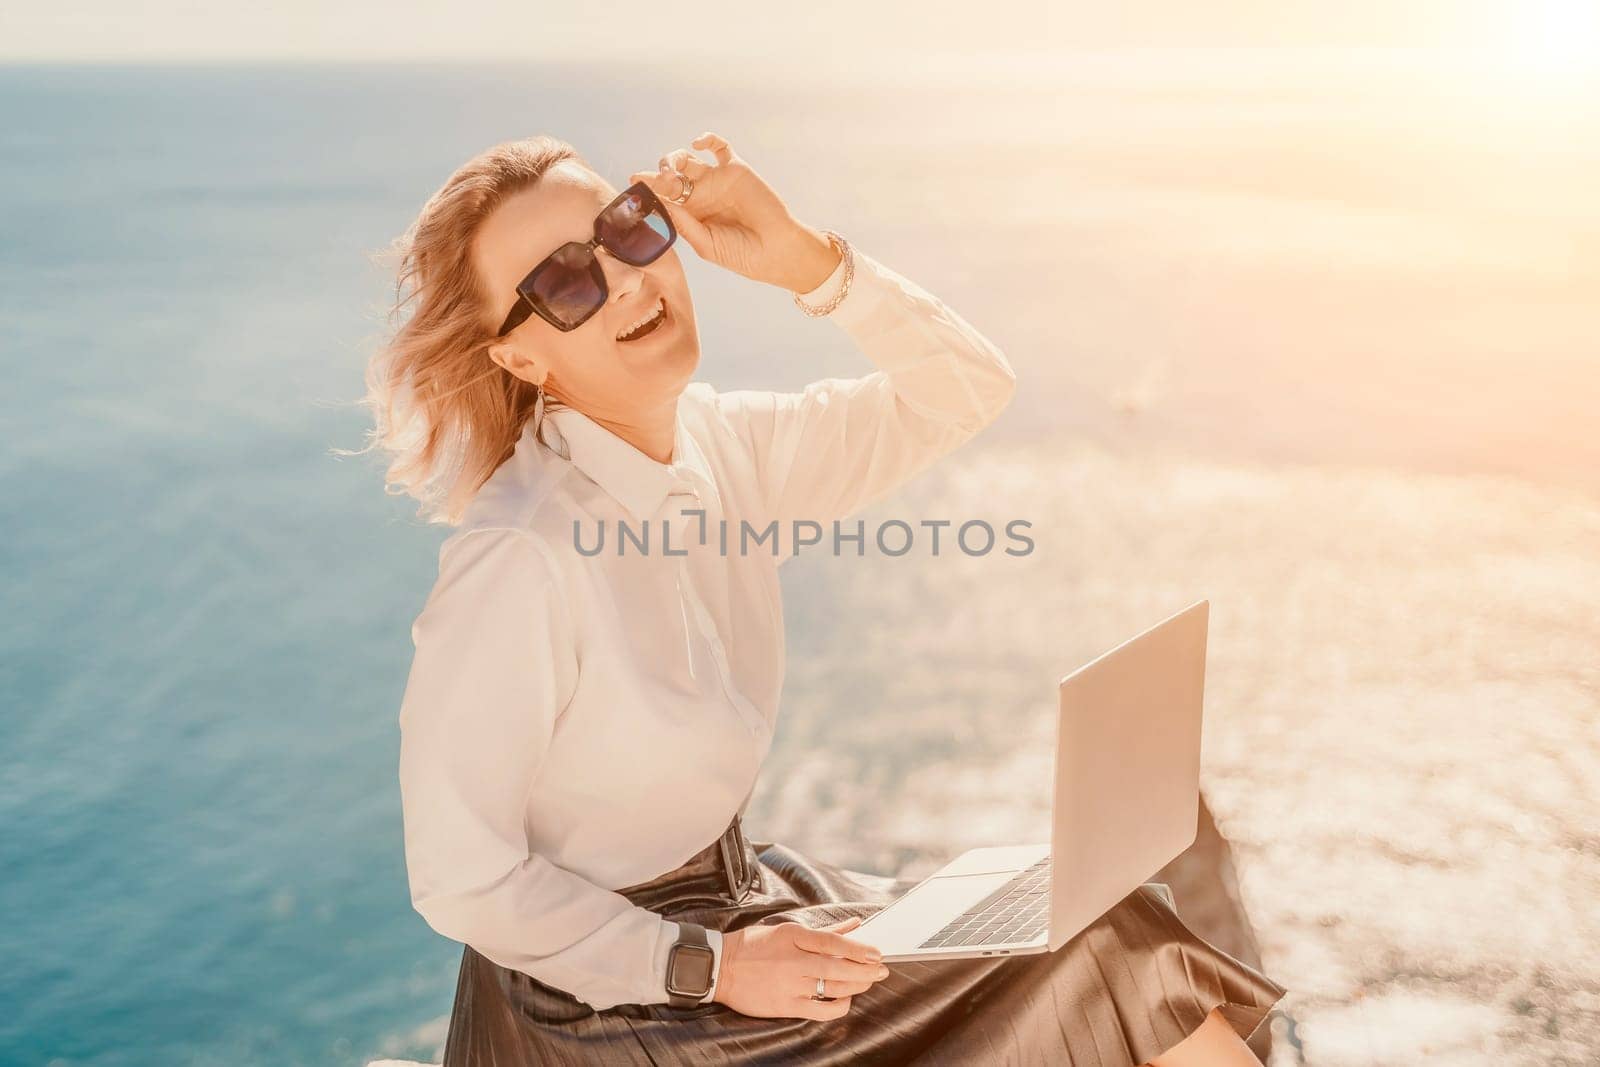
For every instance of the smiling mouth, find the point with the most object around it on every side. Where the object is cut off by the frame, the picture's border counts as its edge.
(646, 326)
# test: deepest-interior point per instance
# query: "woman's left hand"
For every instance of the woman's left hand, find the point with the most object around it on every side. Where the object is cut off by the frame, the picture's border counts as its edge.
(735, 220)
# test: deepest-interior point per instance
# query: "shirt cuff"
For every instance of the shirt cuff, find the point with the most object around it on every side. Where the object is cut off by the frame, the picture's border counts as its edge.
(828, 289)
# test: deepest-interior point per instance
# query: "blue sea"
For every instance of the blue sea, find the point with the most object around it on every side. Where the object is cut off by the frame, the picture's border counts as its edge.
(207, 611)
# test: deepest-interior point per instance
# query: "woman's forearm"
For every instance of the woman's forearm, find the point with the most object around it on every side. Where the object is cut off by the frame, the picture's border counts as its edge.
(941, 368)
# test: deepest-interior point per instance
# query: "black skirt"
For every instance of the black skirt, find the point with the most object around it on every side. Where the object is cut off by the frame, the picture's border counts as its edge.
(1126, 989)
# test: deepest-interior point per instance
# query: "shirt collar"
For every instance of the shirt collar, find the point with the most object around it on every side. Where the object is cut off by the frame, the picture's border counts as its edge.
(633, 479)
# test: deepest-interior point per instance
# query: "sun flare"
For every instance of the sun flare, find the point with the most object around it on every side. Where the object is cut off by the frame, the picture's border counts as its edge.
(1556, 40)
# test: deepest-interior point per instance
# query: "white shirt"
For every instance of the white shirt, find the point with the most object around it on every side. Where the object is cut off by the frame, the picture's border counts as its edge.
(576, 723)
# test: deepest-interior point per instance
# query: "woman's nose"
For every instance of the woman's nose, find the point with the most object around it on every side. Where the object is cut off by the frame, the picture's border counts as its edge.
(622, 279)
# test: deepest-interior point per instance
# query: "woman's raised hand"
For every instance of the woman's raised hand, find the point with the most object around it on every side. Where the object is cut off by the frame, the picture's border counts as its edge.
(734, 219)
(771, 971)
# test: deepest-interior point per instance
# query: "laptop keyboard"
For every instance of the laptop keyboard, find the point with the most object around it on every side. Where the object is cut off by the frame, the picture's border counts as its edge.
(1017, 911)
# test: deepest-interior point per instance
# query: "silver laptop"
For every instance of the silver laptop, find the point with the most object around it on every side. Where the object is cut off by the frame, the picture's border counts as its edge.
(1127, 801)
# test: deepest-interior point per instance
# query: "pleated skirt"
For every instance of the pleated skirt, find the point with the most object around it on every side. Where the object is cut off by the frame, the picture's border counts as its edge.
(1127, 988)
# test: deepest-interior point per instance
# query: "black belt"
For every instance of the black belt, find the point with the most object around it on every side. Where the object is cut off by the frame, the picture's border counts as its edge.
(725, 868)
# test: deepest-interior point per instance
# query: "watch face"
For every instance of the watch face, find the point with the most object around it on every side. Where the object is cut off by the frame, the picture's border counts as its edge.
(689, 970)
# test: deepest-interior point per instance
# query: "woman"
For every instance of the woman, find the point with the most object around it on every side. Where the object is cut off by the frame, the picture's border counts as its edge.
(586, 714)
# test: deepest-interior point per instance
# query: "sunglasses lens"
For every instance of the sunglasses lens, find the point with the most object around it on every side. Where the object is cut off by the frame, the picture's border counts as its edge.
(635, 229)
(565, 288)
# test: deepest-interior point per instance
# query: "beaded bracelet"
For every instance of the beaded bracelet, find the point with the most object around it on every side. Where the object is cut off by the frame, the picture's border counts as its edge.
(838, 241)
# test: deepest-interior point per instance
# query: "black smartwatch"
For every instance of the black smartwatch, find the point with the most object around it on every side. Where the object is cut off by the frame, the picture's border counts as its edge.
(689, 967)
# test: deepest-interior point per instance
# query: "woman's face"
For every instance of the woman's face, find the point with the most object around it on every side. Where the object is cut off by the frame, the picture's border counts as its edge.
(587, 368)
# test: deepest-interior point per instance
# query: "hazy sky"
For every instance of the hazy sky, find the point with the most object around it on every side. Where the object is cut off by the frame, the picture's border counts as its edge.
(738, 31)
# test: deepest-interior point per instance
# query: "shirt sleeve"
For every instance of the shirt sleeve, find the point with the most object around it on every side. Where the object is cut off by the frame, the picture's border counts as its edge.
(841, 444)
(494, 664)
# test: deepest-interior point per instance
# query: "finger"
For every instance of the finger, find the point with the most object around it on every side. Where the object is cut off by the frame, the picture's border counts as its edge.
(683, 161)
(834, 987)
(666, 186)
(842, 925)
(831, 944)
(807, 1008)
(717, 146)
(664, 182)
(834, 971)
(838, 969)
(848, 989)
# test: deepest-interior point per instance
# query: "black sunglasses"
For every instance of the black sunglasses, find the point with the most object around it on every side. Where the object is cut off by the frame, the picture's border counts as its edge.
(568, 285)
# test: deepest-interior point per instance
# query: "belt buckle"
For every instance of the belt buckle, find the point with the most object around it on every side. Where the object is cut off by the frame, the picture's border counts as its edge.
(740, 875)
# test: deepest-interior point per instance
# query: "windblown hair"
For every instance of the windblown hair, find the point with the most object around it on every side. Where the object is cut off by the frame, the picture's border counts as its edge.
(446, 413)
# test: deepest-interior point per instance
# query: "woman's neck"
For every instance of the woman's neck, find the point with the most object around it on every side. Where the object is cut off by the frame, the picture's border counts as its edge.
(652, 431)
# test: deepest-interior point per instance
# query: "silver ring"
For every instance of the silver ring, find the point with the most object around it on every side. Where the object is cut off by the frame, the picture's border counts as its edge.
(822, 991)
(683, 194)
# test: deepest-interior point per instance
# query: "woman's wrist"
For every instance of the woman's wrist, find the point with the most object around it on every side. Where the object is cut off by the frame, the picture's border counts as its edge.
(724, 985)
(807, 257)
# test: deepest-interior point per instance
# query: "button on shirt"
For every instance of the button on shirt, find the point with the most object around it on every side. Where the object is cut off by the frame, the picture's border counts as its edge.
(580, 720)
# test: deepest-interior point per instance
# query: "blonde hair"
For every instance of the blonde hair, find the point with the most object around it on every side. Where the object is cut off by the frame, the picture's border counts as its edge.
(445, 412)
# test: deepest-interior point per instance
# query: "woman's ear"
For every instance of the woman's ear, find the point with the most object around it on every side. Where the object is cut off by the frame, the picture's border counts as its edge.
(530, 368)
